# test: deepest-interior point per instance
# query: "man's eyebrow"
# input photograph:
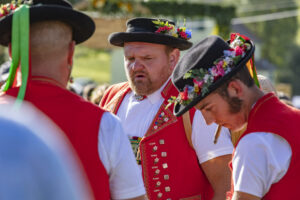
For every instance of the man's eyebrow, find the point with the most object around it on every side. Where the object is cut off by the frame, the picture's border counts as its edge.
(203, 106)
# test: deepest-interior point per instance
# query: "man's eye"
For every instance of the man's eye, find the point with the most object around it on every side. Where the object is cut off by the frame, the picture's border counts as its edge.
(208, 109)
(130, 59)
(147, 58)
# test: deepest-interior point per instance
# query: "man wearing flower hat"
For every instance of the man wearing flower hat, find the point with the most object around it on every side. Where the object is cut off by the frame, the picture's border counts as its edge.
(167, 148)
(46, 57)
(219, 79)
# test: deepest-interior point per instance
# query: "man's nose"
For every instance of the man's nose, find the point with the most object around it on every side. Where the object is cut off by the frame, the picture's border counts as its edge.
(136, 65)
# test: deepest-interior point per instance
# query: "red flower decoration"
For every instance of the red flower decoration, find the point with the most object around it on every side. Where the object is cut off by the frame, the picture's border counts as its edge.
(233, 36)
(184, 94)
(238, 51)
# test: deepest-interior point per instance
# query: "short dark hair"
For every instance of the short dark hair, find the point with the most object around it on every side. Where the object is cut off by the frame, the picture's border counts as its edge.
(243, 75)
(169, 49)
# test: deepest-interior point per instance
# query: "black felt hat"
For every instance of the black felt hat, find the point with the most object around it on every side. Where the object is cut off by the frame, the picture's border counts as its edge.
(42, 10)
(145, 30)
(202, 70)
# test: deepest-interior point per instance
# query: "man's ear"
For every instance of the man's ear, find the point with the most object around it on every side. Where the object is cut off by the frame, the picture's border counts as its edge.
(235, 88)
(173, 58)
(9, 50)
(71, 52)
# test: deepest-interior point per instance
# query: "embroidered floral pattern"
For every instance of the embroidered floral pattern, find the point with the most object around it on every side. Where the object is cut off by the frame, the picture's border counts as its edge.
(203, 78)
(162, 118)
(170, 29)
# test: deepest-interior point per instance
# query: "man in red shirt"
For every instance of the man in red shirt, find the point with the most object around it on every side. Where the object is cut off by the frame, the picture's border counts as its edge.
(177, 155)
(218, 78)
(96, 135)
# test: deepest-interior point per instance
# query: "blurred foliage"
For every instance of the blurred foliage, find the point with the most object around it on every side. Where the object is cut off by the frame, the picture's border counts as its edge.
(92, 63)
(4, 1)
(3, 54)
(221, 13)
(276, 45)
(278, 37)
(294, 72)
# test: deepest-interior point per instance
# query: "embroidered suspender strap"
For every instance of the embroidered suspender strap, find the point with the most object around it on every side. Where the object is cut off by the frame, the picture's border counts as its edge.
(188, 127)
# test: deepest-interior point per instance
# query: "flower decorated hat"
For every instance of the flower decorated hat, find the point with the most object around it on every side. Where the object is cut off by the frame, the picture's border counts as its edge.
(159, 31)
(41, 10)
(207, 66)
(15, 20)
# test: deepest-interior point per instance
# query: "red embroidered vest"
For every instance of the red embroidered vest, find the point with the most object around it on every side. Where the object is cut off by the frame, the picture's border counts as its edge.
(80, 121)
(272, 116)
(170, 166)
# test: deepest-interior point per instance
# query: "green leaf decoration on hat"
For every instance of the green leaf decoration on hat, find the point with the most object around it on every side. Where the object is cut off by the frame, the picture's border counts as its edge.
(20, 50)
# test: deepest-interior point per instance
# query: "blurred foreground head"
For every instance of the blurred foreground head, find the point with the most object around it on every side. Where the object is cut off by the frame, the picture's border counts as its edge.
(37, 162)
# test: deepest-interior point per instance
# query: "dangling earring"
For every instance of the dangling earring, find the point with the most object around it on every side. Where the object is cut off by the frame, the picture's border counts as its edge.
(71, 79)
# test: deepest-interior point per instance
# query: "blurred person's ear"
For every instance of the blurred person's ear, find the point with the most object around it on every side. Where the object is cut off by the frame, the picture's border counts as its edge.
(174, 57)
(71, 52)
(9, 50)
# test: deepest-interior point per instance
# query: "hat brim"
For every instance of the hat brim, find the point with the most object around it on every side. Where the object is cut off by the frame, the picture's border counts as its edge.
(119, 38)
(82, 25)
(180, 109)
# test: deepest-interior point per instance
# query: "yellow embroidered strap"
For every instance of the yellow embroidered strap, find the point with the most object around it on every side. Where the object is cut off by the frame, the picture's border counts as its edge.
(188, 127)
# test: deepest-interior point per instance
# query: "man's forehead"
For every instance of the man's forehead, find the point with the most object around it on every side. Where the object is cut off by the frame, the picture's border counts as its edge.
(201, 104)
(144, 45)
(206, 101)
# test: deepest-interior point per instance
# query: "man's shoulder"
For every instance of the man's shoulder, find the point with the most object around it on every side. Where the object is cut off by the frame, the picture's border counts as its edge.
(110, 95)
(117, 87)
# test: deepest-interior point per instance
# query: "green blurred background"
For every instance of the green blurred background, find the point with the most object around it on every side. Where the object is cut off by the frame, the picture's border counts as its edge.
(272, 24)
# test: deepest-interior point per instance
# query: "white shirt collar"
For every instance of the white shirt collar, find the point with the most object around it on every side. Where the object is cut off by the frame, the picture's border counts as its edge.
(156, 96)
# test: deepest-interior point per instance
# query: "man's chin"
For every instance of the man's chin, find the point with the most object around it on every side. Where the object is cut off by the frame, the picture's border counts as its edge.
(139, 90)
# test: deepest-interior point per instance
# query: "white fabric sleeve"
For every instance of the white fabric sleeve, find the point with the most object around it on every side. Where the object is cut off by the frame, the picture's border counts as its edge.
(125, 179)
(203, 139)
(260, 160)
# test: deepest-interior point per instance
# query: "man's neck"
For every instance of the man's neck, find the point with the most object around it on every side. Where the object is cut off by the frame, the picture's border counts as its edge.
(253, 95)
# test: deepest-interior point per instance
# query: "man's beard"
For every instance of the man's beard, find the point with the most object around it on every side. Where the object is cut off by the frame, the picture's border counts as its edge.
(141, 87)
(235, 104)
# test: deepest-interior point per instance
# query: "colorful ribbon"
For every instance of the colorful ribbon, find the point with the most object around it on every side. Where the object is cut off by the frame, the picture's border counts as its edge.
(252, 69)
(20, 50)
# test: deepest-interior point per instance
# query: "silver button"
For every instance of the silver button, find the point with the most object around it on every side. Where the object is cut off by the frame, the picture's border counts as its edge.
(162, 141)
(163, 154)
(165, 165)
(156, 160)
(155, 148)
(158, 183)
(157, 171)
(166, 177)
(159, 195)
(167, 189)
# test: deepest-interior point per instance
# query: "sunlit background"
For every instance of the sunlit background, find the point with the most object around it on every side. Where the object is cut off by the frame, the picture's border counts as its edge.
(271, 24)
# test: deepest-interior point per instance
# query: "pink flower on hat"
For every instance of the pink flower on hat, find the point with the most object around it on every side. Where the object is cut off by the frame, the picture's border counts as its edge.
(198, 85)
(238, 51)
(218, 71)
(204, 78)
